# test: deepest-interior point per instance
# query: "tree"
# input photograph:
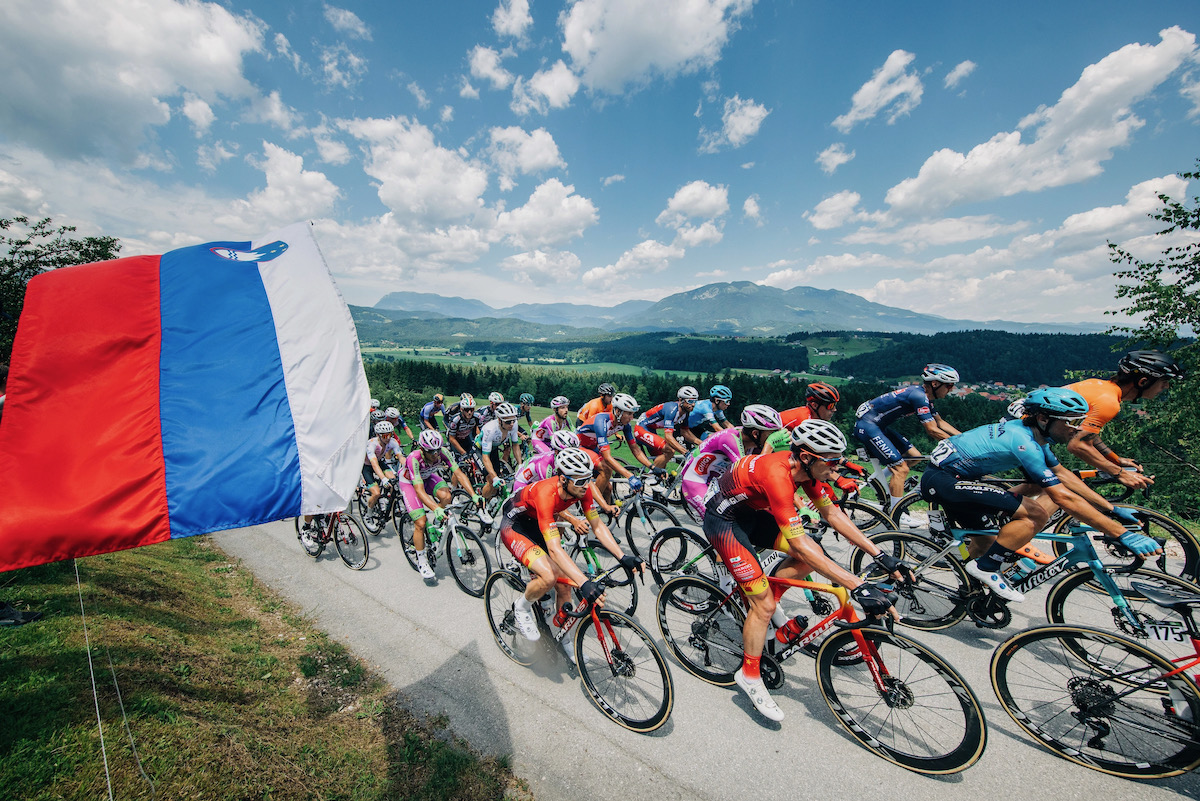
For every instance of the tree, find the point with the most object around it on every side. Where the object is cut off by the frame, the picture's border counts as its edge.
(1166, 292)
(34, 249)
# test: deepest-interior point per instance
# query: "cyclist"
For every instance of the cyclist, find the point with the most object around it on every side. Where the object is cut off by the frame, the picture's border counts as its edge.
(523, 411)
(603, 403)
(708, 416)
(595, 436)
(382, 448)
(488, 413)
(528, 532)
(820, 402)
(542, 466)
(374, 404)
(668, 416)
(392, 415)
(424, 489)
(751, 506)
(496, 436)
(429, 410)
(1050, 415)
(462, 424)
(880, 442)
(558, 420)
(1140, 374)
(716, 453)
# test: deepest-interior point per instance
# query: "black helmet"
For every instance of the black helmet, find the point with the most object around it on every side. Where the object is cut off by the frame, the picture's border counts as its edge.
(1150, 363)
(821, 393)
(606, 389)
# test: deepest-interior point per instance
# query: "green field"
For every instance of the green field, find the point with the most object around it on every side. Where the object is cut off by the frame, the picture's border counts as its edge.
(845, 347)
(439, 355)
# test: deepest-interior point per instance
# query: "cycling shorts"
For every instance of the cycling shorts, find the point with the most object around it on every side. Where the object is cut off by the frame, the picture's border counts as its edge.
(521, 537)
(649, 440)
(368, 474)
(416, 509)
(883, 444)
(967, 502)
(736, 540)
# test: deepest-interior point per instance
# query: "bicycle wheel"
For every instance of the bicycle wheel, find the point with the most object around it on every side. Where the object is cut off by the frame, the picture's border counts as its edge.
(1181, 550)
(678, 551)
(499, 591)
(623, 672)
(312, 542)
(406, 541)
(1078, 710)
(914, 510)
(351, 542)
(620, 585)
(937, 600)
(643, 521)
(868, 518)
(922, 716)
(1078, 599)
(702, 627)
(469, 563)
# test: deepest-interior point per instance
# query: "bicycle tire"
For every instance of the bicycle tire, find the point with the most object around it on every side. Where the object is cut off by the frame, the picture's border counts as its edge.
(1181, 549)
(640, 527)
(351, 542)
(499, 591)
(701, 628)
(937, 600)
(468, 560)
(868, 518)
(630, 683)
(407, 544)
(929, 721)
(679, 551)
(620, 585)
(1077, 599)
(1064, 703)
(314, 546)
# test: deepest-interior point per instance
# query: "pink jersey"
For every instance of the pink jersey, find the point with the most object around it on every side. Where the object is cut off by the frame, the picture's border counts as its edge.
(533, 470)
(546, 429)
(416, 465)
(714, 456)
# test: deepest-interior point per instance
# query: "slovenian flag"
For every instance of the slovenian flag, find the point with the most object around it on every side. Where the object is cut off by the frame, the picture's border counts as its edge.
(156, 397)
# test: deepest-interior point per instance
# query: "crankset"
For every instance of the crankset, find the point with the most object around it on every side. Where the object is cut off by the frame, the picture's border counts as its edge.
(771, 671)
(989, 611)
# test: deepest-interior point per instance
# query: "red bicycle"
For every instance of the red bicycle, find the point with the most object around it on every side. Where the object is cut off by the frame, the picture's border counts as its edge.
(339, 528)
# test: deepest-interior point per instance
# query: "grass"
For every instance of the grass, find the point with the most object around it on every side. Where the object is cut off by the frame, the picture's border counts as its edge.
(845, 346)
(229, 693)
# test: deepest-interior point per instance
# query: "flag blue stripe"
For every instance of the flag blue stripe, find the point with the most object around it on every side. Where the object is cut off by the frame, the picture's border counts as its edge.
(229, 442)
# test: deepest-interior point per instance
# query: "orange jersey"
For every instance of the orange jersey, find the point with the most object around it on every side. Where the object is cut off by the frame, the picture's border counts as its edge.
(541, 501)
(793, 417)
(1104, 401)
(765, 482)
(590, 409)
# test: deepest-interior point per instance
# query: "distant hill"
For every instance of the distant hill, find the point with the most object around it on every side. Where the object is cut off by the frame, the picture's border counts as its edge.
(740, 308)
(424, 328)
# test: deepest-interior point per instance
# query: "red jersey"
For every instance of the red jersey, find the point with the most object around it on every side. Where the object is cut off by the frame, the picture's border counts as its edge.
(765, 482)
(592, 408)
(793, 417)
(541, 501)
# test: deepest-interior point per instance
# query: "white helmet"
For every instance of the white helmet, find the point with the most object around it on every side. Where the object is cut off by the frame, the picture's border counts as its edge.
(624, 402)
(430, 440)
(377, 415)
(561, 440)
(559, 401)
(374, 403)
(466, 400)
(384, 427)
(573, 463)
(688, 393)
(506, 411)
(392, 413)
(943, 373)
(1016, 409)
(495, 397)
(762, 417)
(819, 437)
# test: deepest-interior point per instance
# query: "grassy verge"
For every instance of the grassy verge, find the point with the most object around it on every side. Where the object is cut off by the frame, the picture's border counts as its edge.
(229, 693)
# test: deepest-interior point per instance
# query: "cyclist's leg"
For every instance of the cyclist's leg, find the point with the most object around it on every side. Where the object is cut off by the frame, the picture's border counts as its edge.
(879, 445)
(372, 482)
(732, 543)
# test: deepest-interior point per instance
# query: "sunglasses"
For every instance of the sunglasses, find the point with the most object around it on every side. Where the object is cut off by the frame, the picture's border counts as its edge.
(832, 461)
(505, 422)
(580, 482)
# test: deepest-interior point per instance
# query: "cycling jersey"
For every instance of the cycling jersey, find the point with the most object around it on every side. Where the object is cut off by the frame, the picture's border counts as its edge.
(549, 426)
(382, 453)
(462, 429)
(419, 466)
(1104, 402)
(487, 414)
(665, 415)
(592, 408)
(708, 462)
(532, 470)
(891, 406)
(794, 417)
(996, 447)
(765, 483)
(595, 435)
(429, 413)
(704, 413)
(541, 502)
(492, 436)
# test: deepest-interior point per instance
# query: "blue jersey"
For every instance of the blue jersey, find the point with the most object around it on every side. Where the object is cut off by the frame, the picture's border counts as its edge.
(890, 407)
(665, 415)
(995, 448)
(595, 435)
(704, 413)
(427, 413)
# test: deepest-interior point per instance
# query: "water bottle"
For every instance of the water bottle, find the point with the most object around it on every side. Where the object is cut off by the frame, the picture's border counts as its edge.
(1021, 568)
(792, 629)
(560, 617)
(384, 500)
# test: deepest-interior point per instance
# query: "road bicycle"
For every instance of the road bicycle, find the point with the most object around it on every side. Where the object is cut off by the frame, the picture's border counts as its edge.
(1106, 701)
(639, 516)
(375, 519)
(624, 673)
(896, 697)
(464, 551)
(339, 528)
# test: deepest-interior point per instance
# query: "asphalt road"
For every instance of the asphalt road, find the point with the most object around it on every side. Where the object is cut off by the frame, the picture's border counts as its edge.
(434, 645)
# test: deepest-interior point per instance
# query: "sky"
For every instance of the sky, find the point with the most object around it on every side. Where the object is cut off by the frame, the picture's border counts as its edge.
(963, 159)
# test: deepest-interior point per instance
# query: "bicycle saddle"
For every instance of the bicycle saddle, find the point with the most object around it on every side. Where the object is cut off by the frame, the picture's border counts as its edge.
(1169, 599)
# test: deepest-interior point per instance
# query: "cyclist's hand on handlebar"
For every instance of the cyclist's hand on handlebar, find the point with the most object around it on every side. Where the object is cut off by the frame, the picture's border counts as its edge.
(635, 484)
(896, 568)
(1140, 544)
(658, 471)
(633, 562)
(592, 592)
(1125, 515)
(581, 528)
(846, 484)
(874, 601)
(497, 482)
(855, 468)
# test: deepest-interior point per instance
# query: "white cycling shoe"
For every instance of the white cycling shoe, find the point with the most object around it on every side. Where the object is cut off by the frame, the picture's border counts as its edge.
(523, 618)
(908, 521)
(998, 583)
(424, 569)
(757, 692)
(485, 518)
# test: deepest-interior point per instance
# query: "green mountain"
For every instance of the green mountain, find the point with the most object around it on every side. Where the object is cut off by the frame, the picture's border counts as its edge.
(573, 314)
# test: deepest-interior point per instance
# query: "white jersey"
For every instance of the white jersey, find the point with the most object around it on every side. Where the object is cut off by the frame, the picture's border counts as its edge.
(492, 436)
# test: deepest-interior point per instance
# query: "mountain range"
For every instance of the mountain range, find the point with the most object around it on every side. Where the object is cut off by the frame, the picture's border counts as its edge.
(739, 308)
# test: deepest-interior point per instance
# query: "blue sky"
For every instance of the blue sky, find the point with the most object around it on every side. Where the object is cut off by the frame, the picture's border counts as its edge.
(969, 160)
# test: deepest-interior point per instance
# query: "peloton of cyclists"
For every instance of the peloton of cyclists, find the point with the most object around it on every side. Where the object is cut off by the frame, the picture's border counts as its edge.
(605, 426)
(670, 416)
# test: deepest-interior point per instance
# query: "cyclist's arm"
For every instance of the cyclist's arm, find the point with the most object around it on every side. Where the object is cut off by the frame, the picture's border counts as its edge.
(1088, 446)
(669, 435)
(939, 429)
(636, 450)
(604, 535)
(611, 461)
(459, 448)
(456, 473)
(379, 471)
(1082, 503)
(688, 436)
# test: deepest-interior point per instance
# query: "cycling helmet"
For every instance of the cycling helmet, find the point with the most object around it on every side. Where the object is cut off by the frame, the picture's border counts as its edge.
(430, 440)
(688, 393)
(495, 397)
(466, 400)
(606, 389)
(822, 393)
(526, 398)
(942, 373)
(819, 437)
(559, 401)
(721, 393)
(573, 463)
(384, 427)
(392, 413)
(561, 440)
(1016, 409)
(374, 403)
(1150, 363)
(439, 398)
(762, 417)
(623, 402)
(506, 411)
(377, 415)
(1057, 402)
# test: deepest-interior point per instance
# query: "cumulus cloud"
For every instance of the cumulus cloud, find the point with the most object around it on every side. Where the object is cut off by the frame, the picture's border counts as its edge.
(893, 88)
(418, 94)
(485, 65)
(209, 157)
(706, 233)
(446, 114)
(546, 89)
(541, 267)
(512, 18)
(838, 210)
(467, 90)
(330, 150)
(516, 152)
(645, 258)
(785, 275)
(696, 200)
(960, 71)
(1071, 139)
(934, 233)
(341, 67)
(199, 113)
(833, 157)
(552, 215)
(739, 124)
(751, 211)
(347, 23)
(292, 193)
(618, 43)
(284, 48)
(271, 109)
(612, 179)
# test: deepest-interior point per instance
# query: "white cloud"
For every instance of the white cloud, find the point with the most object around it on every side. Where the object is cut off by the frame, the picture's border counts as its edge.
(960, 71)
(739, 124)
(291, 194)
(485, 65)
(696, 200)
(749, 165)
(512, 18)
(612, 179)
(347, 22)
(446, 114)
(467, 90)
(833, 157)
(199, 113)
(209, 157)
(838, 210)
(419, 94)
(785, 276)
(552, 215)
(272, 110)
(706, 233)
(750, 209)
(1072, 138)
(892, 88)
(617, 43)
(92, 78)
(330, 150)
(541, 267)
(935, 233)
(284, 48)
(1191, 92)
(515, 152)
(645, 258)
(342, 67)
(547, 89)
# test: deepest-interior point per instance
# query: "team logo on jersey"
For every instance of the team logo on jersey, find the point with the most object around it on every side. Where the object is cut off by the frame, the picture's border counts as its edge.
(264, 253)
